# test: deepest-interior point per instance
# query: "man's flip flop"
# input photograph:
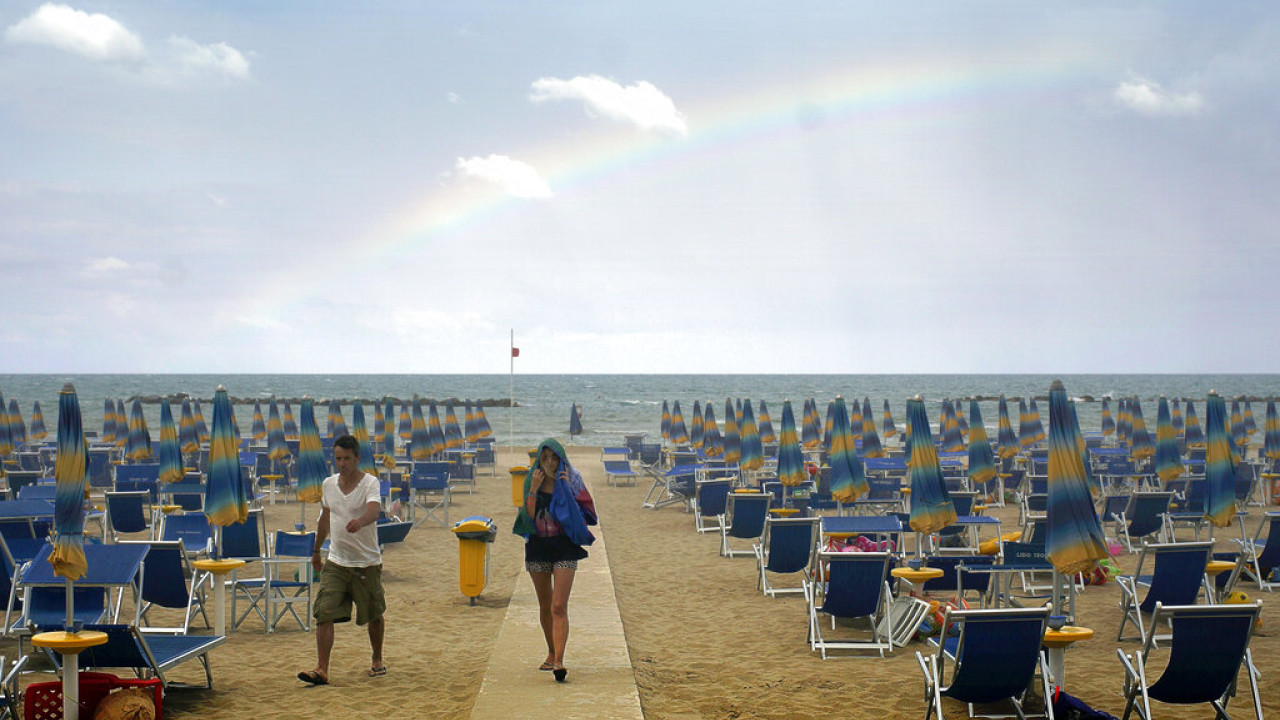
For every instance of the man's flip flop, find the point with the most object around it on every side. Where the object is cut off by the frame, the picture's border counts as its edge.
(378, 671)
(313, 677)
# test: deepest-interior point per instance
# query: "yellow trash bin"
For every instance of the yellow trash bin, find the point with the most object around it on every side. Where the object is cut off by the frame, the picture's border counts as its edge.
(517, 484)
(474, 537)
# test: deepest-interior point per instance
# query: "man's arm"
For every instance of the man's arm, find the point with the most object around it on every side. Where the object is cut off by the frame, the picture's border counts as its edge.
(371, 511)
(322, 532)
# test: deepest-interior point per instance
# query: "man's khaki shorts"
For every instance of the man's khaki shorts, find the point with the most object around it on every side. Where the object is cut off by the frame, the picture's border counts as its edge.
(340, 586)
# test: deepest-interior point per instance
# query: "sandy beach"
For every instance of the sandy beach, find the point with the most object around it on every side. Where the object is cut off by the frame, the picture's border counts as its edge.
(703, 642)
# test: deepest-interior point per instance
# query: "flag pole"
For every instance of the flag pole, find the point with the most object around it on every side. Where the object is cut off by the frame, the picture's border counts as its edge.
(511, 401)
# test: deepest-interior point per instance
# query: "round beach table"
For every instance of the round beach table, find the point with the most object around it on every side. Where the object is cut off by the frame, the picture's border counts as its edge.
(219, 568)
(69, 645)
(1214, 568)
(917, 577)
(1057, 642)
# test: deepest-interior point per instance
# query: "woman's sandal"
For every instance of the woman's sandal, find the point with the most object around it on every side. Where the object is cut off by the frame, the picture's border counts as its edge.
(547, 665)
(313, 677)
(377, 671)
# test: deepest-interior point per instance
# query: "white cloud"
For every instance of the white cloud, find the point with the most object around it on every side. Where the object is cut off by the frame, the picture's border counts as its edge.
(218, 57)
(1148, 98)
(515, 177)
(641, 104)
(105, 266)
(94, 36)
(453, 98)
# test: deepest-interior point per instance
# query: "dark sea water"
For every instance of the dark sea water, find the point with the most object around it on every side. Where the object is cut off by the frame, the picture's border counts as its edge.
(617, 404)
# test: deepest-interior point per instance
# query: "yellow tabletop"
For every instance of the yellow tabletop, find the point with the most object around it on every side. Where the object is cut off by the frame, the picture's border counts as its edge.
(170, 509)
(272, 478)
(905, 490)
(783, 512)
(69, 643)
(218, 567)
(916, 576)
(1217, 567)
(1066, 635)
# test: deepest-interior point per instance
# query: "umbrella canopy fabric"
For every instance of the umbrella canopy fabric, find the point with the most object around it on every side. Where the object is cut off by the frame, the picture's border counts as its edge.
(1250, 423)
(732, 441)
(811, 425)
(575, 422)
(258, 430)
(1168, 458)
(1026, 432)
(17, 429)
(108, 434)
(767, 434)
(311, 464)
(38, 430)
(452, 433)
(665, 424)
(420, 442)
(170, 450)
(752, 448)
(388, 430)
(1108, 422)
(1037, 427)
(1007, 445)
(380, 420)
(870, 440)
(981, 461)
(712, 443)
(889, 428)
(1176, 416)
(277, 445)
(848, 477)
(826, 426)
(483, 421)
(290, 424)
(1193, 434)
(790, 457)
(1239, 437)
(435, 431)
(1219, 465)
(224, 493)
(855, 421)
(679, 432)
(361, 432)
(1124, 423)
(122, 425)
(695, 426)
(1140, 446)
(139, 439)
(952, 441)
(406, 424)
(1075, 542)
(1271, 433)
(337, 424)
(188, 438)
(71, 473)
(202, 430)
(931, 506)
(470, 431)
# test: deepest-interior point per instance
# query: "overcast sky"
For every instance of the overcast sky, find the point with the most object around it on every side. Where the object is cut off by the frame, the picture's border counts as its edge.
(701, 187)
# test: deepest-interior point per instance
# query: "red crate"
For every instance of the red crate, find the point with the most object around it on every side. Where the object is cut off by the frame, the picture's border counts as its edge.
(43, 701)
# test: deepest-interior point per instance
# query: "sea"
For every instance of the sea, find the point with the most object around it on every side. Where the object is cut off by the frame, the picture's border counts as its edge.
(616, 405)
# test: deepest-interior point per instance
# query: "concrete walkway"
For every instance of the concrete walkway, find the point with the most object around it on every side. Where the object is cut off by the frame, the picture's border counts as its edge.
(601, 682)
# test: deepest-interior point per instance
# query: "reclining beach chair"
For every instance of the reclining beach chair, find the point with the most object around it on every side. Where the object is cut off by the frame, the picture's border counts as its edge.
(127, 513)
(994, 657)
(1177, 576)
(786, 548)
(166, 570)
(429, 490)
(1259, 558)
(745, 514)
(853, 585)
(673, 487)
(286, 582)
(191, 528)
(1143, 517)
(11, 702)
(390, 531)
(617, 467)
(147, 655)
(1209, 647)
(709, 503)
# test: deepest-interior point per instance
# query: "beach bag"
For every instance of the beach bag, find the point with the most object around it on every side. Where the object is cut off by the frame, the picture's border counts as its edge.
(126, 704)
(1066, 707)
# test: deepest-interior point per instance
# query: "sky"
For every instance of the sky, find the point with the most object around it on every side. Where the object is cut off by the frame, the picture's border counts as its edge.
(639, 187)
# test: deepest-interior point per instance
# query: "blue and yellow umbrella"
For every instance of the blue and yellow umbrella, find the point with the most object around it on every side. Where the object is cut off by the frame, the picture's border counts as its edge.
(827, 425)
(1194, 434)
(71, 473)
(575, 421)
(931, 506)
(435, 431)
(388, 430)
(712, 442)
(791, 472)
(679, 433)
(665, 424)
(1250, 424)
(1124, 424)
(108, 434)
(224, 493)
(1108, 422)
(420, 447)
(202, 430)
(337, 424)
(1219, 464)
(122, 425)
(170, 450)
(1007, 445)
(277, 443)
(752, 448)
(695, 426)
(17, 428)
(767, 434)
(1026, 432)
(1037, 427)
(1168, 458)
(258, 430)
(470, 432)
(38, 430)
(848, 478)
(952, 441)
(290, 424)
(360, 430)
(870, 440)
(890, 429)
(312, 468)
(483, 421)
(452, 433)
(732, 440)
(380, 421)
(855, 421)
(1176, 417)
(1239, 437)
(1075, 541)
(406, 424)
(811, 425)
(139, 439)
(1271, 433)
(964, 424)
(981, 461)
(188, 438)
(6, 438)
(1140, 446)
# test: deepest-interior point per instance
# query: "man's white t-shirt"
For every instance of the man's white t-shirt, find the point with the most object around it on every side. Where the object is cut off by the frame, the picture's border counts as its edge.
(359, 549)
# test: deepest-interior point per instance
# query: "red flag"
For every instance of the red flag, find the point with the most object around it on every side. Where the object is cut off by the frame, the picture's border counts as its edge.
(515, 352)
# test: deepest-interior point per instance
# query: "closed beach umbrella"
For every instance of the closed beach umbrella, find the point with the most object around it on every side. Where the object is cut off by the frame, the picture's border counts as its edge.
(1108, 422)
(406, 424)
(139, 439)
(170, 450)
(290, 424)
(1239, 438)
(1219, 464)
(1095, 485)
(732, 440)
(1140, 446)
(108, 434)
(791, 471)
(855, 421)
(470, 432)
(1168, 459)
(420, 447)
(870, 440)
(388, 430)
(826, 426)
(188, 438)
(931, 506)
(435, 431)
(1250, 424)
(224, 493)
(1026, 432)
(1271, 433)
(890, 429)
(277, 445)
(767, 434)
(452, 433)
(951, 439)
(122, 425)
(964, 424)
(679, 433)
(1007, 445)
(848, 478)
(38, 430)
(1075, 541)
(1124, 423)
(712, 442)
(1037, 426)
(752, 448)
(575, 422)
(1194, 435)
(71, 472)
(17, 428)
(485, 430)
(380, 421)
(337, 424)
(361, 432)
(1176, 417)
(665, 424)
(695, 426)
(258, 430)
(311, 463)
(811, 426)
(981, 461)
(202, 430)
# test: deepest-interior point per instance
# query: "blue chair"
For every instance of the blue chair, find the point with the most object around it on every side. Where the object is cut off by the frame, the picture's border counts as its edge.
(1176, 578)
(1143, 517)
(429, 490)
(745, 515)
(148, 655)
(786, 548)
(618, 472)
(852, 585)
(994, 657)
(710, 501)
(38, 491)
(674, 486)
(1259, 558)
(278, 584)
(246, 541)
(164, 584)
(127, 513)
(1209, 646)
(191, 528)
(390, 531)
